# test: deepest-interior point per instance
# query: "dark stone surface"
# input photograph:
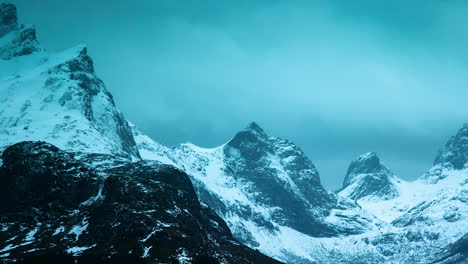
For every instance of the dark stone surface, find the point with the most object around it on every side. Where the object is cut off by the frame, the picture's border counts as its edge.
(81, 69)
(454, 154)
(22, 40)
(8, 18)
(303, 203)
(123, 209)
(455, 253)
(370, 178)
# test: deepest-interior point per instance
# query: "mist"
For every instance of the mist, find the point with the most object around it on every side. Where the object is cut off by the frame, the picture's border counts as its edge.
(338, 78)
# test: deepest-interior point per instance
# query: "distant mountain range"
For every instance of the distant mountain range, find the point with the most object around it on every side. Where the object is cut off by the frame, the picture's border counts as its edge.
(79, 180)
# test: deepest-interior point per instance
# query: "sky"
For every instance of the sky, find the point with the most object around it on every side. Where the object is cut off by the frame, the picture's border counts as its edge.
(337, 77)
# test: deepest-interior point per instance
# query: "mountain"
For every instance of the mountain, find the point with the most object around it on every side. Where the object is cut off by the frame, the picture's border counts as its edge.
(267, 190)
(257, 183)
(100, 187)
(95, 198)
(368, 178)
(455, 253)
(377, 190)
(58, 203)
(453, 156)
(425, 215)
(55, 97)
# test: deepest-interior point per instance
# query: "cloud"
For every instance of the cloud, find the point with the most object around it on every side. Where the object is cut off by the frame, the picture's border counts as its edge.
(338, 77)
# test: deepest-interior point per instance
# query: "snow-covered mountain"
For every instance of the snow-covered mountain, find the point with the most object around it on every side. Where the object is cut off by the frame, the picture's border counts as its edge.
(389, 197)
(426, 214)
(266, 189)
(241, 178)
(368, 177)
(55, 97)
(98, 199)
(56, 203)
(263, 189)
(453, 156)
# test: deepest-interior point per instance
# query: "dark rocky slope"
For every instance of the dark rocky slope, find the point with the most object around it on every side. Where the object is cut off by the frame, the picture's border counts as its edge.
(452, 156)
(59, 203)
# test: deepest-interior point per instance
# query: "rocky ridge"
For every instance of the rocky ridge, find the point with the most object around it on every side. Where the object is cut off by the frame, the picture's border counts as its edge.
(54, 203)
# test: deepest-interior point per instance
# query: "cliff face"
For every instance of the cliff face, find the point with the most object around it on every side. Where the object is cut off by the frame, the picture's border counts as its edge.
(59, 203)
(267, 190)
(368, 177)
(15, 39)
(55, 97)
(453, 156)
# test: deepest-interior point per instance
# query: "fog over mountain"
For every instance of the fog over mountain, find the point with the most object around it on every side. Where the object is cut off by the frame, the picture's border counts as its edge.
(339, 78)
(81, 181)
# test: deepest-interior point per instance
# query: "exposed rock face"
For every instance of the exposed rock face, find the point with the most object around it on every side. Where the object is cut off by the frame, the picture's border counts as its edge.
(93, 202)
(55, 97)
(367, 176)
(282, 176)
(8, 19)
(266, 189)
(55, 204)
(15, 40)
(455, 253)
(452, 156)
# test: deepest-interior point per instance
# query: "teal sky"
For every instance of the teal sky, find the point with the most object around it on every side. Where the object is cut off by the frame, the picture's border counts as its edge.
(337, 77)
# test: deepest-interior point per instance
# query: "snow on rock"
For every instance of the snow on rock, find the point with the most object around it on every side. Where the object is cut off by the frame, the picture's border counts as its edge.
(15, 39)
(368, 177)
(55, 97)
(42, 199)
(260, 185)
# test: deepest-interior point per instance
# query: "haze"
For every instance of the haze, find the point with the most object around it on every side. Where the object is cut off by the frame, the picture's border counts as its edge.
(337, 77)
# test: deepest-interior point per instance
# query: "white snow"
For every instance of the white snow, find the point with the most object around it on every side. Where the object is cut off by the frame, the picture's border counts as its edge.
(146, 252)
(76, 251)
(59, 230)
(30, 235)
(39, 103)
(410, 194)
(77, 230)
(183, 256)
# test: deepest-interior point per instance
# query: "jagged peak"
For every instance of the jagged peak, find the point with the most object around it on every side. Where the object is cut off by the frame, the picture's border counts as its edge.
(253, 130)
(252, 141)
(364, 164)
(8, 18)
(454, 153)
(17, 40)
(367, 176)
(452, 156)
(81, 49)
(254, 127)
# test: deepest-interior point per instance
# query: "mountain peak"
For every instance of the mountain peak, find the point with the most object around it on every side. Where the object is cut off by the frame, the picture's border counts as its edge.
(454, 154)
(367, 176)
(252, 140)
(8, 18)
(365, 163)
(253, 126)
(17, 40)
(62, 90)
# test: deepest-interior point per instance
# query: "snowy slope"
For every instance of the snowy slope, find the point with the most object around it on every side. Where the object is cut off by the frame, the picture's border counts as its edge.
(56, 97)
(234, 179)
(265, 188)
(368, 178)
(426, 214)
(268, 192)
(446, 174)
